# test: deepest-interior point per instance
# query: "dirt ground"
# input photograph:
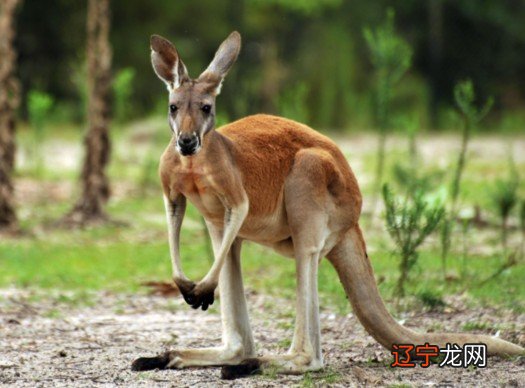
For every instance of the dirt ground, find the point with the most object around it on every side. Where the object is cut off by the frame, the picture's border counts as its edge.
(51, 340)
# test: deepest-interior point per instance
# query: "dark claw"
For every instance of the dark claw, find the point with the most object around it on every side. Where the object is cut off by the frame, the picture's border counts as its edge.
(189, 299)
(201, 301)
(149, 363)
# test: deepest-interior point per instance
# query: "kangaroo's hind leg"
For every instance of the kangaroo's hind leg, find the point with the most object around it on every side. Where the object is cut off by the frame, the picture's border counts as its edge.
(237, 341)
(309, 208)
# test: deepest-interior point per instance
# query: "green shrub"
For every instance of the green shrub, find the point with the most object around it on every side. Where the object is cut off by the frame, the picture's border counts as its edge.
(465, 99)
(409, 222)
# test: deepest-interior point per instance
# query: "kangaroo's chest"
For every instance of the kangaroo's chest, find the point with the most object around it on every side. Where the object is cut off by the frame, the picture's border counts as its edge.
(201, 185)
(197, 185)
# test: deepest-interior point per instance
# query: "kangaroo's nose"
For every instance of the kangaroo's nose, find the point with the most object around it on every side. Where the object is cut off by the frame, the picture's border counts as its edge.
(186, 140)
(188, 144)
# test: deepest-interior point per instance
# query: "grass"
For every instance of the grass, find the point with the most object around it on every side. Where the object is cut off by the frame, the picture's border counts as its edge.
(326, 377)
(103, 259)
(476, 326)
(120, 258)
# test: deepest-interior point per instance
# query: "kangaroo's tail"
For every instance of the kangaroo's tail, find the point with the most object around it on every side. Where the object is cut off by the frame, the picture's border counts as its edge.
(355, 272)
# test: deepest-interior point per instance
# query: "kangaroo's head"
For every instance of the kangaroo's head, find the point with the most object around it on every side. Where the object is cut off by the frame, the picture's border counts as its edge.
(191, 107)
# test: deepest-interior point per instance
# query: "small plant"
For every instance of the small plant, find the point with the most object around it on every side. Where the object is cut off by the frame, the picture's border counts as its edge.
(122, 90)
(466, 217)
(465, 99)
(391, 56)
(409, 223)
(39, 105)
(410, 126)
(431, 299)
(408, 175)
(505, 197)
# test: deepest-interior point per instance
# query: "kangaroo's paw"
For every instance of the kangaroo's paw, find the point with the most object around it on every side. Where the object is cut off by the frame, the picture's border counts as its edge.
(183, 358)
(297, 363)
(167, 360)
(202, 295)
(149, 363)
(248, 367)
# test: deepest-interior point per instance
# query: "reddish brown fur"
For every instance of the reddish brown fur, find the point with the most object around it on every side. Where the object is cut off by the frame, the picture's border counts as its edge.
(256, 154)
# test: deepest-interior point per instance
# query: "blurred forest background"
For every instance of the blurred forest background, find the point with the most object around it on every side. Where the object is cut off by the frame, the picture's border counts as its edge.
(425, 98)
(304, 58)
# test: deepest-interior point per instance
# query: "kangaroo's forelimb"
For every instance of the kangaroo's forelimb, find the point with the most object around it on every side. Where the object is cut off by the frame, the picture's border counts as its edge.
(203, 293)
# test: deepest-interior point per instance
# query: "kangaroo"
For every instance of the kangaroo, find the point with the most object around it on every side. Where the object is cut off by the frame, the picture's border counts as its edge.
(278, 183)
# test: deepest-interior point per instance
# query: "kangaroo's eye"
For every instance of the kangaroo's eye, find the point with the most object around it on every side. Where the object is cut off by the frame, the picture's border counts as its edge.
(173, 108)
(206, 108)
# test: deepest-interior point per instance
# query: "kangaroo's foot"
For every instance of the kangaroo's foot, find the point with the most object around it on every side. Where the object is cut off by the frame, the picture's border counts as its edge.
(295, 363)
(183, 358)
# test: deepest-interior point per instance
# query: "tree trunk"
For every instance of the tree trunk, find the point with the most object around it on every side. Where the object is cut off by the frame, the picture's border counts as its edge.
(9, 99)
(89, 208)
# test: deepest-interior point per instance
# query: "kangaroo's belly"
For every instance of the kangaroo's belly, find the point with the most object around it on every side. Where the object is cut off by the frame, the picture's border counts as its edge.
(265, 229)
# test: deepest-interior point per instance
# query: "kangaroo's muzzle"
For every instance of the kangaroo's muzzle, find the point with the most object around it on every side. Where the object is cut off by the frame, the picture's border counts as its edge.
(188, 144)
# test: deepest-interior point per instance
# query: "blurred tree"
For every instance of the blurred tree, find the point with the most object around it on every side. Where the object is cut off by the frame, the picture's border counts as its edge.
(95, 186)
(9, 98)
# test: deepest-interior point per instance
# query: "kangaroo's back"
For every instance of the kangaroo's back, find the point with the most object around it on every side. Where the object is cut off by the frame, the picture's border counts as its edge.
(265, 148)
(274, 133)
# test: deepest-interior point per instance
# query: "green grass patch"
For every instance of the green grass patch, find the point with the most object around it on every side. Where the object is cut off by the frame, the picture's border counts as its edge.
(120, 258)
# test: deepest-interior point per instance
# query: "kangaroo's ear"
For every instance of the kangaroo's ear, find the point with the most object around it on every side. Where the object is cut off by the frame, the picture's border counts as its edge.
(222, 62)
(166, 62)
